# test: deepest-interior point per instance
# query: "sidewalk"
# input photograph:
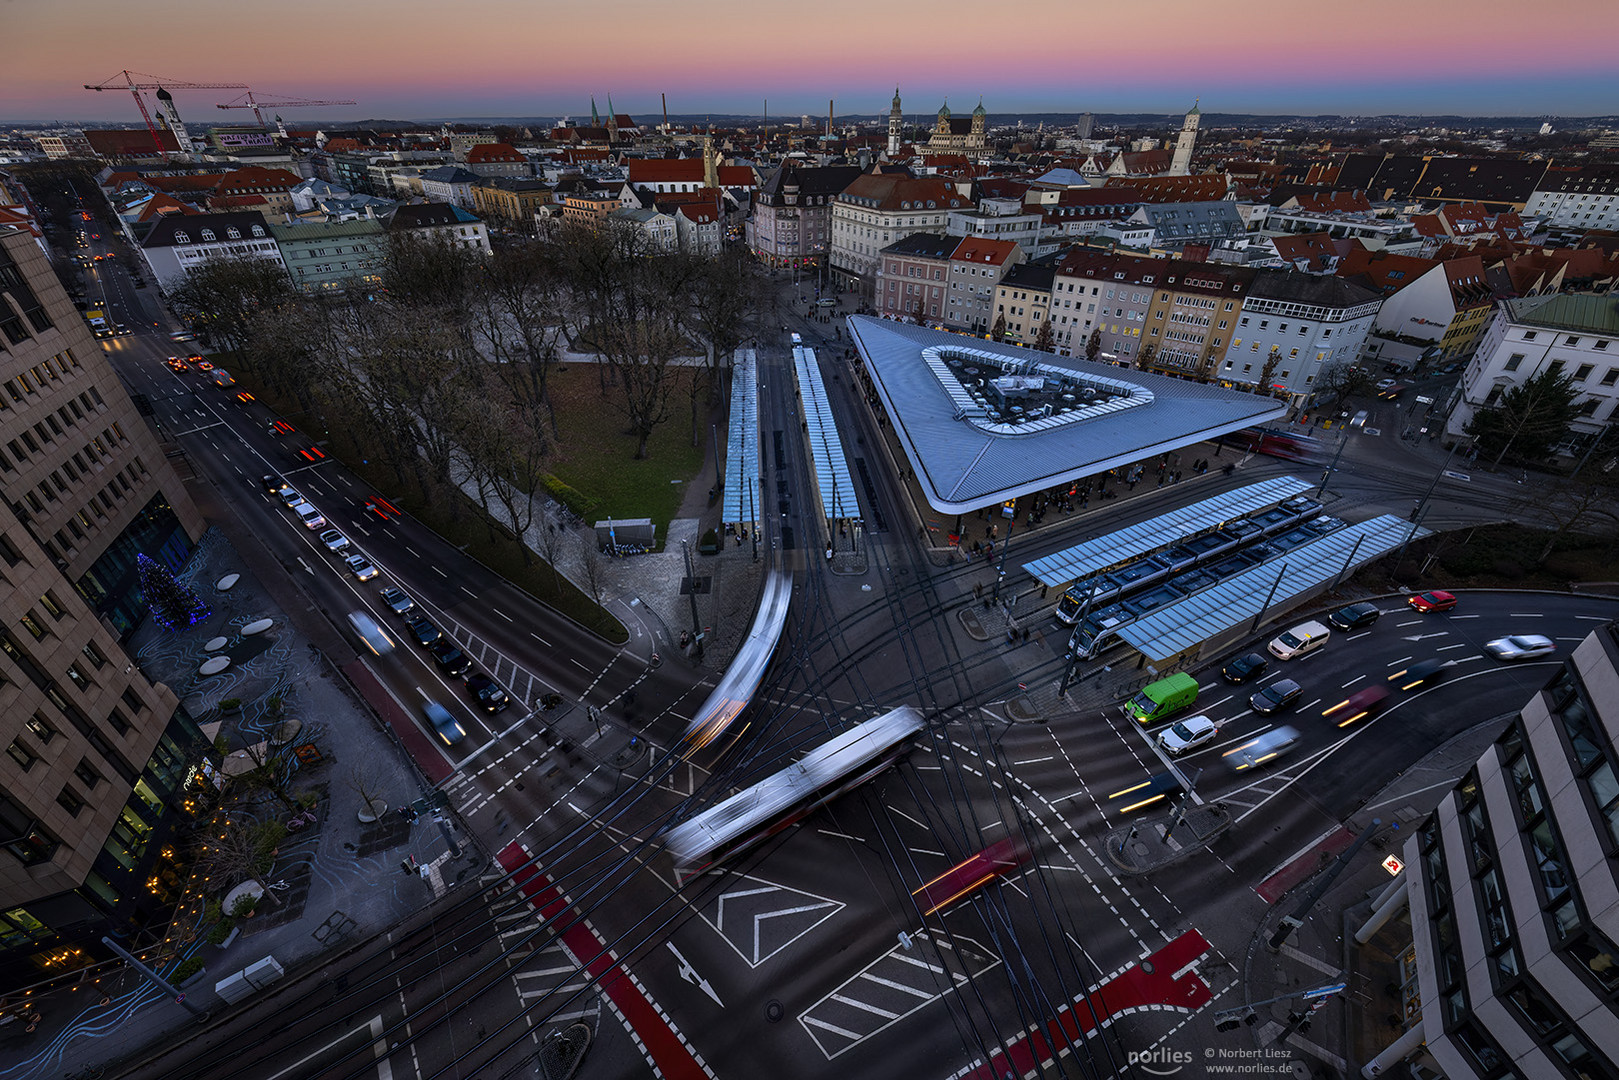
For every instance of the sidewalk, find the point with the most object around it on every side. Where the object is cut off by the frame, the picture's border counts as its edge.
(343, 882)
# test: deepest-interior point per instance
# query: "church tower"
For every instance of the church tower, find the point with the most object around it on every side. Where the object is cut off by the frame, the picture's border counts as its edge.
(612, 121)
(1181, 164)
(896, 121)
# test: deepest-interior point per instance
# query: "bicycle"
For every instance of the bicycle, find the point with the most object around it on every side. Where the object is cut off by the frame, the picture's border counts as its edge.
(279, 886)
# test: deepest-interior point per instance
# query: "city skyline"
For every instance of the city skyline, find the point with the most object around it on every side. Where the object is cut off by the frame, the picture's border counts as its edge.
(416, 65)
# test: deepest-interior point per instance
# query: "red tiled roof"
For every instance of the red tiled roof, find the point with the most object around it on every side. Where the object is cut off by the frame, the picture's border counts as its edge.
(737, 176)
(891, 192)
(983, 251)
(493, 152)
(701, 213)
(666, 170)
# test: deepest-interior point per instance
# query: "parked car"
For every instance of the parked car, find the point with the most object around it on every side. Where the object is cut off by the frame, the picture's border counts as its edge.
(1520, 647)
(487, 692)
(422, 630)
(1362, 703)
(449, 657)
(1279, 695)
(447, 727)
(360, 566)
(1354, 616)
(396, 600)
(1245, 668)
(1434, 600)
(334, 540)
(1188, 734)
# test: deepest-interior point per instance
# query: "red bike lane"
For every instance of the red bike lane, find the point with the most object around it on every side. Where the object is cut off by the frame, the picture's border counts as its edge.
(665, 1048)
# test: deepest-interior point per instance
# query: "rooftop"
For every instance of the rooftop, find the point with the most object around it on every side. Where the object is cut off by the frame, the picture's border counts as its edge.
(957, 404)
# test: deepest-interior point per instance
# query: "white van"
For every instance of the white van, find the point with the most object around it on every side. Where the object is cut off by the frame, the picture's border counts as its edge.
(1302, 639)
(307, 514)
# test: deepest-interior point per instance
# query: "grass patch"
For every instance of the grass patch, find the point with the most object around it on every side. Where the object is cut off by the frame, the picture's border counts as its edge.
(472, 531)
(1504, 556)
(595, 455)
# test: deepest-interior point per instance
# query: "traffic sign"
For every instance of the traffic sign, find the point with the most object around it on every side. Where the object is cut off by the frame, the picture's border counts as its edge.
(1393, 865)
(1323, 991)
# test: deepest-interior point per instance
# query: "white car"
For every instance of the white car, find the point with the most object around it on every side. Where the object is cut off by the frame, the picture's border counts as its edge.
(1520, 647)
(307, 514)
(360, 566)
(334, 540)
(1188, 734)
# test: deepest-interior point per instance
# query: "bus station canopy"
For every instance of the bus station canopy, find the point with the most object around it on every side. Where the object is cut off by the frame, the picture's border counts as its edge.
(1165, 530)
(742, 445)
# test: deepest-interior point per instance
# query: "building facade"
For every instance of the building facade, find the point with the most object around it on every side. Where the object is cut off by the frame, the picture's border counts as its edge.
(1181, 163)
(1583, 197)
(1573, 334)
(177, 242)
(976, 267)
(1192, 317)
(1305, 321)
(326, 256)
(99, 760)
(1514, 898)
(913, 277)
(791, 219)
(1106, 295)
(588, 207)
(1023, 303)
(878, 209)
(511, 200)
(958, 136)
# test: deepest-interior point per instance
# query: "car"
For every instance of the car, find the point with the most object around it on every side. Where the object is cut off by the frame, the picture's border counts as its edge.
(1279, 695)
(1263, 748)
(1354, 616)
(360, 566)
(312, 453)
(422, 629)
(487, 692)
(1301, 640)
(396, 600)
(445, 725)
(312, 518)
(1384, 384)
(181, 335)
(1362, 703)
(281, 427)
(1188, 734)
(376, 639)
(246, 398)
(1392, 391)
(288, 494)
(449, 657)
(1244, 668)
(1433, 600)
(1420, 673)
(334, 540)
(382, 508)
(1520, 647)
(177, 363)
(203, 365)
(273, 484)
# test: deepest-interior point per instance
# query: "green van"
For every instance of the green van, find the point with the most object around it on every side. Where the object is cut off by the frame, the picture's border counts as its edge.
(1162, 699)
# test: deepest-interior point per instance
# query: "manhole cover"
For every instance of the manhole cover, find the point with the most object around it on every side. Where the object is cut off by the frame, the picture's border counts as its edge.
(774, 1011)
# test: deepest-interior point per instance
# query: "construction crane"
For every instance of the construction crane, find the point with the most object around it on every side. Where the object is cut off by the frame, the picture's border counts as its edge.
(289, 103)
(162, 86)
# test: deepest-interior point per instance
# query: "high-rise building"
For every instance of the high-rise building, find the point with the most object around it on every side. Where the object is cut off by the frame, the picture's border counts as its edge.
(1514, 901)
(98, 759)
(1086, 125)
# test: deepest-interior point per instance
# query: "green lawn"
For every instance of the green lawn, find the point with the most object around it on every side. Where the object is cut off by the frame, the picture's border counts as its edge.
(596, 451)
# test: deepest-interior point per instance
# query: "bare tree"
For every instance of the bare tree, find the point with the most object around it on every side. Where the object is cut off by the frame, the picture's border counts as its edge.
(592, 567)
(1268, 372)
(366, 780)
(1339, 381)
(551, 538)
(224, 296)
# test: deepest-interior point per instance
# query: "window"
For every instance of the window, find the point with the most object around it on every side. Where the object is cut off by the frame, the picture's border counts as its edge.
(1571, 340)
(133, 700)
(23, 756)
(1513, 361)
(1611, 377)
(1581, 372)
(77, 677)
(33, 626)
(87, 774)
(70, 802)
(1529, 335)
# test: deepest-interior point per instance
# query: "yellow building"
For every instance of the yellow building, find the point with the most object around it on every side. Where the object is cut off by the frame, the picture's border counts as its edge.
(1191, 317)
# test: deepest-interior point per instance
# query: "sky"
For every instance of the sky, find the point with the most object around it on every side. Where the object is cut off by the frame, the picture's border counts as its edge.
(412, 59)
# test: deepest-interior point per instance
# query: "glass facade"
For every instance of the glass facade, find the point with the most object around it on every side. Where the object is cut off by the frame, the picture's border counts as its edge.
(112, 586)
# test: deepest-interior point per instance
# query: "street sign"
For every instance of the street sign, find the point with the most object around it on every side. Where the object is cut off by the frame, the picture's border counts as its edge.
(1323, 991)
(1393, 865)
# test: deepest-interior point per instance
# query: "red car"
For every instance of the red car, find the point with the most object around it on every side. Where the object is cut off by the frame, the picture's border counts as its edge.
(312, 453)
(281, 427)
(1436, 600)
(245, 398)
(381, 507)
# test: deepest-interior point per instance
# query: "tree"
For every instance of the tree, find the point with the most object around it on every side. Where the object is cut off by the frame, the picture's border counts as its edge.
(366, 779)
(174, 607)
(1093, 344)
(1042, 340)
(1145, 357)
(999, 332)
(1268, 372)
(222, 297)
(1339, 381)
(240, 850)
(592, 567)
(1528, 419)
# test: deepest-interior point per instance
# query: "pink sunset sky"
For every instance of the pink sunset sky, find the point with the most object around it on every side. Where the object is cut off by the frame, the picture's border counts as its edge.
(412, 59)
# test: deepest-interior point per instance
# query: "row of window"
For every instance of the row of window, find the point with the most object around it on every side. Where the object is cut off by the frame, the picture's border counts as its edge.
(1581, 373)
(1601, 344)
(37, 377)
(51, 427)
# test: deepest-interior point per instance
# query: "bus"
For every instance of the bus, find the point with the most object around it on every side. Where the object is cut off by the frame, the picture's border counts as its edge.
(759, 812)
(970, 875)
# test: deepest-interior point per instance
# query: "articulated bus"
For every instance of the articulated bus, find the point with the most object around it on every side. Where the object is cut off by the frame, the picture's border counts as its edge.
(776, 802)
(1276, 443)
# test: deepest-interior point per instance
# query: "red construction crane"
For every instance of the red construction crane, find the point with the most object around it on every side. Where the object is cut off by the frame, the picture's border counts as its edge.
(153, 82)
(289, 103)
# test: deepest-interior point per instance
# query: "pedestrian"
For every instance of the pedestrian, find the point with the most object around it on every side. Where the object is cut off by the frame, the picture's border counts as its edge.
(978, 589)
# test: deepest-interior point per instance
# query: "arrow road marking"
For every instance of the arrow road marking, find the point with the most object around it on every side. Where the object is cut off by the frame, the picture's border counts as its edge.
(689, 973)
(1424, 637)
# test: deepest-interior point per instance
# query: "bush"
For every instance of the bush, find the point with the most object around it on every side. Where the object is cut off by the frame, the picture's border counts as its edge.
(575, 500)
(230, 704)
(222, 930)
(244, 906)
(186, 970)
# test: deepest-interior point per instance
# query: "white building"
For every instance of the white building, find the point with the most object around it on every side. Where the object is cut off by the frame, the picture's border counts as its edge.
(1581, 198)
(658, 228)
(1574, 334)
(178, 242)
(1308, 320)
(878, 209)
(450, 184)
